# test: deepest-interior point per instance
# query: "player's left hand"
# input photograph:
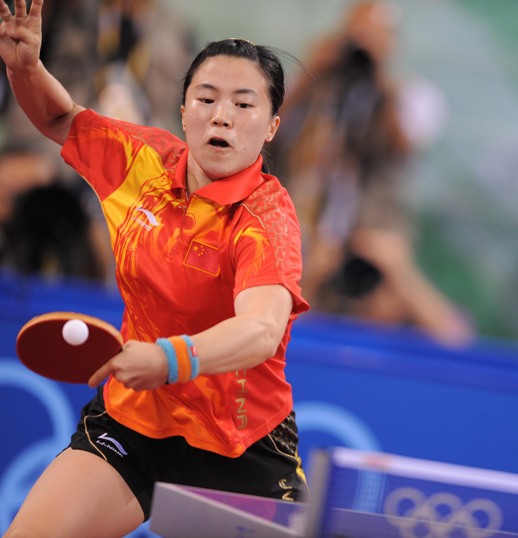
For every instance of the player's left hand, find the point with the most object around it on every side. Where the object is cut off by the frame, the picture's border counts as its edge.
(20, 34)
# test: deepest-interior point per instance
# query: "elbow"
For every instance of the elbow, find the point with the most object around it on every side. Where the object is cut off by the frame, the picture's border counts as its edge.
(270, 339)
(57, 128)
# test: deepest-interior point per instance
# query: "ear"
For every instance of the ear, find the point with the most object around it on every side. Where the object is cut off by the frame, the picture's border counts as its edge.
(274, 125)
(182, 112)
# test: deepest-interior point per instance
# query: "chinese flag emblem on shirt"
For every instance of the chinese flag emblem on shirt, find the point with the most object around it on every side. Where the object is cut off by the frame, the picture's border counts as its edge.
(203, 257)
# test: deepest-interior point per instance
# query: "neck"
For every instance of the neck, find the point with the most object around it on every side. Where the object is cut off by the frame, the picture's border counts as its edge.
(196, 179)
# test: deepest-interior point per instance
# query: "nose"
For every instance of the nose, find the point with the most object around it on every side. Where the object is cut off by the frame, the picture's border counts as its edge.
(222, 116)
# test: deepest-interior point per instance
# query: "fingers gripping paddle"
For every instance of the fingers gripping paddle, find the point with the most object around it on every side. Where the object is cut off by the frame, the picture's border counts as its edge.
(66, 346)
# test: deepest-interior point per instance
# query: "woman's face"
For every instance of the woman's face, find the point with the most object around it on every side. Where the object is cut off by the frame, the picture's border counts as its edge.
(227, 117)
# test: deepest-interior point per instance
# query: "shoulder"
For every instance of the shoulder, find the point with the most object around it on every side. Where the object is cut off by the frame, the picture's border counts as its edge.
(269, 197)
(89, 118)
(167, 145)
(271, 204)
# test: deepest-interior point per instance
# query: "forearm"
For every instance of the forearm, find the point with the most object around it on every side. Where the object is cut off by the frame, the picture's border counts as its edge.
(237, 343)
(429, 308)
(46, 102)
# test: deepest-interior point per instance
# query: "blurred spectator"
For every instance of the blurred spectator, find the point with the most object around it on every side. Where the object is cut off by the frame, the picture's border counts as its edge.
(123, 57)
(69, 51)
(40, 233)
(145, 50)
(50, 234)
(140, 46)
(348, 137)
(20, 170)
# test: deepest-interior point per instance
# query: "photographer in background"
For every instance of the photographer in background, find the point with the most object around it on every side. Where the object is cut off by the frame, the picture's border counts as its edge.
(344, 150)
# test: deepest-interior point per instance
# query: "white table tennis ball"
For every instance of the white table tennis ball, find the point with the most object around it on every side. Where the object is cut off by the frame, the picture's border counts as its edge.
(75, 332)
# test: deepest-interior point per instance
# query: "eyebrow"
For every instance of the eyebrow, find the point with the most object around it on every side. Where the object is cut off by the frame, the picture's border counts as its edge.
(240, 91)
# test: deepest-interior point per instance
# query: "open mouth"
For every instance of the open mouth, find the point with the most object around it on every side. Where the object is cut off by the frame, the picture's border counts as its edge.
(219, 143)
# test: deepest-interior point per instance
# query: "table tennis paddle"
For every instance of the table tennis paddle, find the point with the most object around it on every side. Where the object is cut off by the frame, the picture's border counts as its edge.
(67, 346)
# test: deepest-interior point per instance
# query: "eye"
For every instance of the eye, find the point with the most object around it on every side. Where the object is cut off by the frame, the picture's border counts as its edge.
(244, 105)
(205, 100)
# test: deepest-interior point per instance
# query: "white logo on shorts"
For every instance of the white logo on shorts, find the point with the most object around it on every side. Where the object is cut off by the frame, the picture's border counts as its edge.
(114, 447)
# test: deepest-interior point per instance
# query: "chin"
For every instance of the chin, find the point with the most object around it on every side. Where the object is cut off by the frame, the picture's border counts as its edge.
(215, 175)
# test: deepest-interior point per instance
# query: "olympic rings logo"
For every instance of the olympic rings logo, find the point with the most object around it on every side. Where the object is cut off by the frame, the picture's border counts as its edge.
(442, 515)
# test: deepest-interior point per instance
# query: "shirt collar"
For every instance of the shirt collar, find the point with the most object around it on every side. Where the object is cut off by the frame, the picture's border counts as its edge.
(224, 191)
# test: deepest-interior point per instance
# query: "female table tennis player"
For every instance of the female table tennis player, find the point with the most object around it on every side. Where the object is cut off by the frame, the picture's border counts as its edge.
(207, 249)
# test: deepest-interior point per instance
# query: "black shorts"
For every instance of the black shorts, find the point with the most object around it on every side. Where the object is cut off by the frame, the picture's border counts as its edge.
(268, 468)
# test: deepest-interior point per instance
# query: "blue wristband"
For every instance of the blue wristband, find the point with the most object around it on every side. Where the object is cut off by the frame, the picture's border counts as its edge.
(172, 361)
(193, 355)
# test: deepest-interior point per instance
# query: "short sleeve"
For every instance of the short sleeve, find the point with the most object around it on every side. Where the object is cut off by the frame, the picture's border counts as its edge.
(268, 250)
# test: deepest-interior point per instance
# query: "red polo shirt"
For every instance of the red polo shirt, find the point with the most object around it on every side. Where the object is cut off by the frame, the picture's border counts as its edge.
(179, 265)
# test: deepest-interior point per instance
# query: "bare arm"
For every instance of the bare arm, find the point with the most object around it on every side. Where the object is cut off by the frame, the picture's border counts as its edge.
(249, 338)
(425, 305)
(243, 341)
(45, 101)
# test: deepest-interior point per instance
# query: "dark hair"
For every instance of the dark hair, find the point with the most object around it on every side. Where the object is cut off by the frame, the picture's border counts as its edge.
(265, 58)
